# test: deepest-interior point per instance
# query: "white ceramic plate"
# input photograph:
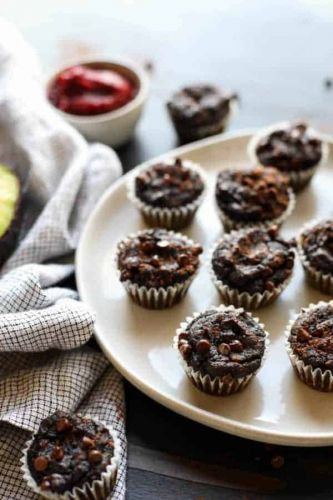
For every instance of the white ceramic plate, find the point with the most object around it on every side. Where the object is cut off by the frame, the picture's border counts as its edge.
(276, 407)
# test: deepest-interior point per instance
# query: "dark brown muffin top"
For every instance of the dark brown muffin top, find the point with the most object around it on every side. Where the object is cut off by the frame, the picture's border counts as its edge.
(253, 260)
(69, 450)
(220, 342)
(317, 245)
(157, 258)
(169, 185)
(252, 195)
(199, 105)
(290, 149)
(311, 337)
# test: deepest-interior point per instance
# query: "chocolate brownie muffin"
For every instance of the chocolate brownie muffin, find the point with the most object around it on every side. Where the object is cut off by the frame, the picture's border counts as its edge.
(251, 267)
(72, 451)
(310, 345)
(294, 149)
(200, 111)
(315, 245)
(168, 193)
(222, 348)
(157, 266)
(255, 196)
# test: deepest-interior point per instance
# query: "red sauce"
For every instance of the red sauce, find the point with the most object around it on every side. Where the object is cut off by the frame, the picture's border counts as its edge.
(83, 90)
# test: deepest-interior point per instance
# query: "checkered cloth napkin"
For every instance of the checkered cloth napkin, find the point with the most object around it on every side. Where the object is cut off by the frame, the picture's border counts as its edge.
(45, 363)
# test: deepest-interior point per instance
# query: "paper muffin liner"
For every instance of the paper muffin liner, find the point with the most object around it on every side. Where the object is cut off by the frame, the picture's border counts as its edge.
(297, 179)
(243, 299)
(226, 384)
(168, 218)
(154, 298)
(229, 224)
(188, 134)
(321, 380)
(317, 278)
(99, 489)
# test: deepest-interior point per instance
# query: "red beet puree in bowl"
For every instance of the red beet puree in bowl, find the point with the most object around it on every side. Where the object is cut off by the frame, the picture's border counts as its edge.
(86, 90)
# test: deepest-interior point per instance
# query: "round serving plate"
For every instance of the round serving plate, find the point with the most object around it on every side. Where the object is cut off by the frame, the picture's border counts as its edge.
(276, 407)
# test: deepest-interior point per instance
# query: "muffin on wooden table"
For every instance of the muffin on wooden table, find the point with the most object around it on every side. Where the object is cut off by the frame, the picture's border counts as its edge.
(309, 343)
(168, 193)
(315, 247)
(251, 267)
(293, 148)
(221, 349)
(251, 197)
(156, 267)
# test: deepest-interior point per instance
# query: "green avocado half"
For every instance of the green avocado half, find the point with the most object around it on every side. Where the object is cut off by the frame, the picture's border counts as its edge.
(10, 201)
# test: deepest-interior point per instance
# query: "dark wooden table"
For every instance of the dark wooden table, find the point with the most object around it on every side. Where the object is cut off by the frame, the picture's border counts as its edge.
(277, 55)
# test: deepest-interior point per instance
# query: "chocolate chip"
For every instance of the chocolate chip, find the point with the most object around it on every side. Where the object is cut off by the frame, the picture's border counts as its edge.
(94, 456)
(183, 259)
(236, 346)
(63, 425)
(237, 358)
(57, 453)
(303, 335)
(40, 463)
(224, 349)
(183, 336)
(203, 346)
(88, 442)
(185, 350)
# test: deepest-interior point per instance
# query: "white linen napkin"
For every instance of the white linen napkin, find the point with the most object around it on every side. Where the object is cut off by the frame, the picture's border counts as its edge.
(44, 362)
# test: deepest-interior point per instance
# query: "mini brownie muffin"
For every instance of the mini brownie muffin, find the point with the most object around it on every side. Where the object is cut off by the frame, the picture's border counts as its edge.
(310, 345)
(221, 349)
(294, 149)
(315, 246)
(200, 111)
(249, 197)
(168, 193)
(251, 267)
(157, 266)
(71, 456)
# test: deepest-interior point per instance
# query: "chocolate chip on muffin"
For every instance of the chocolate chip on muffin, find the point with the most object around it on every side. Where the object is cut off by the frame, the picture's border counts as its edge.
(199, 111)
(253, 196)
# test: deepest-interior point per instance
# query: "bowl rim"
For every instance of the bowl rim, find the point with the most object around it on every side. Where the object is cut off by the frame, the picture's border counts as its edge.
(138, 100)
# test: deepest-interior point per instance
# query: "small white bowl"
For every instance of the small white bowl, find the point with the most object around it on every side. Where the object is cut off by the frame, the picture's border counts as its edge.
(114, 127)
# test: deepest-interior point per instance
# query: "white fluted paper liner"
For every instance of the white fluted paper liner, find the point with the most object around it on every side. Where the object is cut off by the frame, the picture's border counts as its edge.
(320, 280)
(99, 489)
(155, 298)
(297, 179)
(243, 299)
(226, 384)
(321, 380)
(230, 224)
(168, 218)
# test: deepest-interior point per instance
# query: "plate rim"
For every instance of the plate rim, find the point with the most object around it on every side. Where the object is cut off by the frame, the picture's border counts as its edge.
(183, 408)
